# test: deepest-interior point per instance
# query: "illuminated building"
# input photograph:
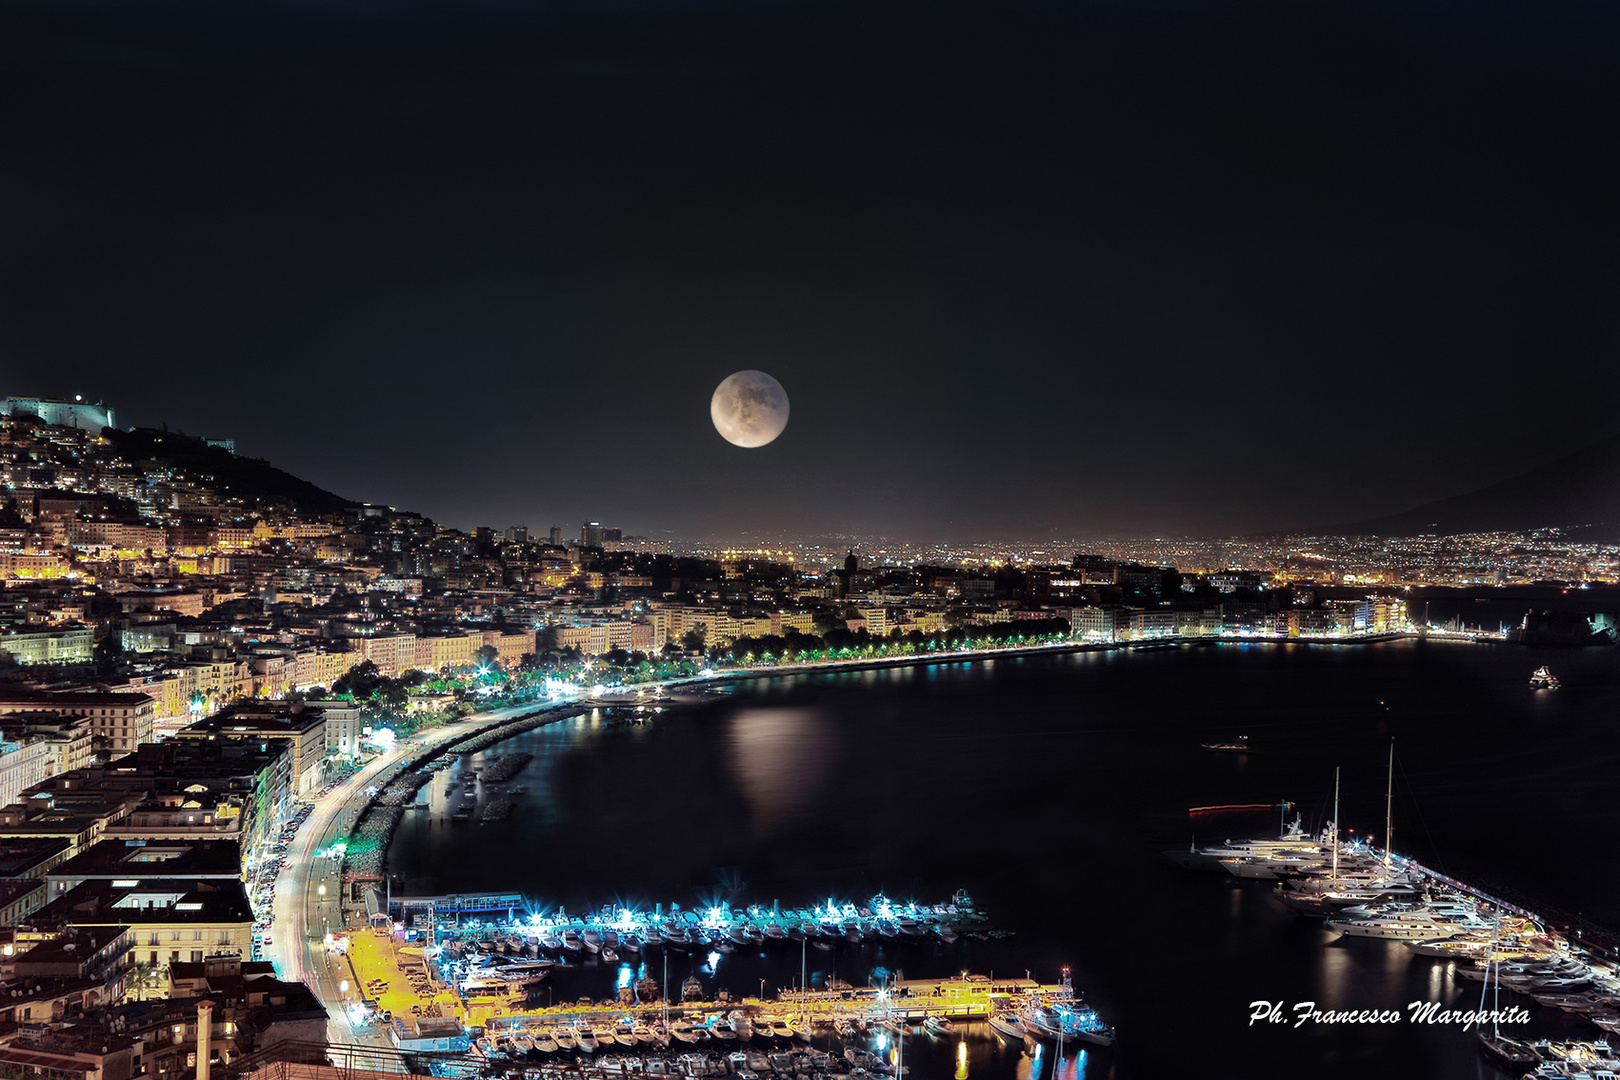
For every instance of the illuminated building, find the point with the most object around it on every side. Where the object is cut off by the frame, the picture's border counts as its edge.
(76, 413)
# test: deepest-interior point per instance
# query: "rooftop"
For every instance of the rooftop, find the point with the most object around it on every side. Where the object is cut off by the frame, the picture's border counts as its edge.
(144, 902)
(153, 859)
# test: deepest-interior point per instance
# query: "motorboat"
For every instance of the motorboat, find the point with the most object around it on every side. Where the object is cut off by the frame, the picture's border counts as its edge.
(687, 1032)
(939, 1025)
(1007, 1023)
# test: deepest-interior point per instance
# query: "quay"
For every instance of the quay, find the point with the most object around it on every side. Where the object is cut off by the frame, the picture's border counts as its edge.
(975, 997)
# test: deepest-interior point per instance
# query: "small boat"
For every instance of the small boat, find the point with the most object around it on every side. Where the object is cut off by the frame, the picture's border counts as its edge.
(687, 1032)
(1238, 745)
(586, 1039)
(1543, 679)
(565, 1038)
(939, 1025)
(545, 1042)
(778, 1028)
(1007, 1023)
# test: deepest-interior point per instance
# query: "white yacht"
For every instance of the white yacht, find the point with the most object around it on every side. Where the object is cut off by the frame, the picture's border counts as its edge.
(1404, 926)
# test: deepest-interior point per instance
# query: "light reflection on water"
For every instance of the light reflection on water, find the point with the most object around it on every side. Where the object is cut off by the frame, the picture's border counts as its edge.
(1044, 1063)
(778, 757)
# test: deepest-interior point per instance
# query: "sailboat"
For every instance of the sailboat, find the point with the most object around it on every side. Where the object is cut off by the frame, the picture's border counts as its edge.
(1326, 896)
(1509, 1053)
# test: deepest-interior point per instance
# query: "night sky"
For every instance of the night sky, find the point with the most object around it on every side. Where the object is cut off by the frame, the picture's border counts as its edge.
(1023, 268)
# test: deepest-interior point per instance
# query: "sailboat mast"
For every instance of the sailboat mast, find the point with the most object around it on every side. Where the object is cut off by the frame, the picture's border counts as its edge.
(1334, 839)
(1389, 806)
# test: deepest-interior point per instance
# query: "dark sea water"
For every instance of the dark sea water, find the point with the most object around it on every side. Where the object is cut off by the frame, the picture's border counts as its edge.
(1049, 787)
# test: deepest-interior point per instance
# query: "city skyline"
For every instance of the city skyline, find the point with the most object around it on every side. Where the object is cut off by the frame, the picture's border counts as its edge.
(1086, 273)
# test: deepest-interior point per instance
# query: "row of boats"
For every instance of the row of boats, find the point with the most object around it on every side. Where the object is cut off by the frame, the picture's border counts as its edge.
(1564, 1060)
(750, 1064)
(611, 933)
(736, 1026)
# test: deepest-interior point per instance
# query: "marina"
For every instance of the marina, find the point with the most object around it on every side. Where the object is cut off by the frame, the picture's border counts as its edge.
(735, 800)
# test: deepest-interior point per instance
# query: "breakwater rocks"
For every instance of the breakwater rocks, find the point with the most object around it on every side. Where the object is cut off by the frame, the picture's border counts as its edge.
(505, 767)
(396, 786)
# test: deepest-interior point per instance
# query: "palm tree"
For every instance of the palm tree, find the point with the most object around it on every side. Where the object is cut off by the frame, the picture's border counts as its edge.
(146, 978)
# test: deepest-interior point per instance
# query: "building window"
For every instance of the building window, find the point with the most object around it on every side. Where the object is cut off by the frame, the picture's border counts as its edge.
(196, 956)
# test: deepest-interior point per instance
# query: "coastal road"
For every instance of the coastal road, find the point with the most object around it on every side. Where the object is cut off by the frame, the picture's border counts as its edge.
(304, 913)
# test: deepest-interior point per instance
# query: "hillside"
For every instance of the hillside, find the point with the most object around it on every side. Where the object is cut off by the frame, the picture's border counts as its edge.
(1578, 491)
(253, 480)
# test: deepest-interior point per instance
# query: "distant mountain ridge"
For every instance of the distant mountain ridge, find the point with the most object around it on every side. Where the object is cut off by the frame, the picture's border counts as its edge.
(1580, 490)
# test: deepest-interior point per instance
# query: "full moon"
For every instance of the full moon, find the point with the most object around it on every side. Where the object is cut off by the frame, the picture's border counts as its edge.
(749, 409)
